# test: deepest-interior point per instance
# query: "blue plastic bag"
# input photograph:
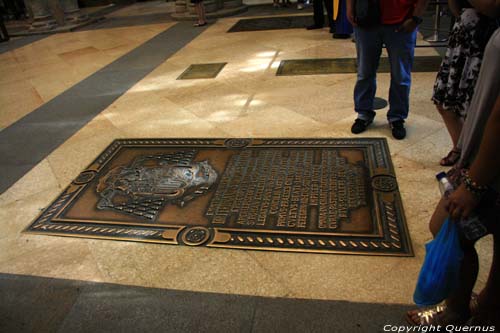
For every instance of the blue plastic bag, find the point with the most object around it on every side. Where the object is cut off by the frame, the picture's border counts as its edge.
(441, 268)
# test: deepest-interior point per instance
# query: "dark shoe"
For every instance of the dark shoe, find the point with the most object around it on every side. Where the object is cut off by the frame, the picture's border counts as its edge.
(360, 126)
(398, 129)
(314, 27)
(341, 36)
(332, 30)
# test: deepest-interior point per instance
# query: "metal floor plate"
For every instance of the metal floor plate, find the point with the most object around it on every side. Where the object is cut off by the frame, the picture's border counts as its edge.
(305, 195)
(202, 71)
(272, 23)
(348, 65)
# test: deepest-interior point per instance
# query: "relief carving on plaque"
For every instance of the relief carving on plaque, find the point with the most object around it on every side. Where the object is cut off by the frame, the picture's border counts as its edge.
(150, 181)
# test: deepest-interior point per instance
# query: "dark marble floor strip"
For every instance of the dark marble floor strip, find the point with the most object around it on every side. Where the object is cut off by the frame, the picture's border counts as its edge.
(28, 141)
(17, 42)
(128, 21)
(36, 304)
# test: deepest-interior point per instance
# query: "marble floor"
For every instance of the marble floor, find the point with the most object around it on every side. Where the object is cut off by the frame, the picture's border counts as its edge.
(32, 75)
(245, 100)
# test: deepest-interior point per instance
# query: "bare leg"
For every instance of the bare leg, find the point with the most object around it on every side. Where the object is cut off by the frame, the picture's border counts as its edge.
(453, 124)
(459, 299)
(489, 302)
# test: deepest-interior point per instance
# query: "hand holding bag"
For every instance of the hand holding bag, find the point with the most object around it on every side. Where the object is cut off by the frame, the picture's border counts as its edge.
(441, 268)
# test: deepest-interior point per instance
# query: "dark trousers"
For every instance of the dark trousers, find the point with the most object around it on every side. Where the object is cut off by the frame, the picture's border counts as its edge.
(319, 16)
(4, 35)
(401, 49)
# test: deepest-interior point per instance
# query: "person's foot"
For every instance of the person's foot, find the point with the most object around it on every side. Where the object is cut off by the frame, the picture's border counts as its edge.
(450, 159)
(360, 126)
(398, 129)
(417, 316)
(200, 24)
(314, 27)
(300, 6)
(332, 30)
(437, 315)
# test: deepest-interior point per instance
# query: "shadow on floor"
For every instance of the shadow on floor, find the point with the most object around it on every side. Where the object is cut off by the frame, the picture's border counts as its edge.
(36, 304)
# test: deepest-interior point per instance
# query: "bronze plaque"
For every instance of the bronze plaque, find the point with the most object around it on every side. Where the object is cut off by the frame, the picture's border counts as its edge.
(272, 23)
(306, 195)
(349, 65)
(202, 71)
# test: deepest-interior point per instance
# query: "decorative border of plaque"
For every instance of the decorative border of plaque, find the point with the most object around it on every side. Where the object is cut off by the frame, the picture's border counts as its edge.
(148, 194)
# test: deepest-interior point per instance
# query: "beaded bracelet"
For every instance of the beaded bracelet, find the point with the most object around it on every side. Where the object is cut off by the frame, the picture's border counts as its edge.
(472, 186)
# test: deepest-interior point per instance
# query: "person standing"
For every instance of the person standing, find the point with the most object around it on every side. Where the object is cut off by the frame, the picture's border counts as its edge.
(319, 15)
(4, 35)
(459, 70)
(397, 31)
(476, 177)
(343, 28)
(200, 11)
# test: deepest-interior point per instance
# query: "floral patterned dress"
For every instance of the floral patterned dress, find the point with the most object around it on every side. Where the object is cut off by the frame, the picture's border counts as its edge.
(459, 70)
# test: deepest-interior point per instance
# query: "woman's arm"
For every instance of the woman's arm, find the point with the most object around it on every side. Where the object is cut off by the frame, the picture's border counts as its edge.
(455, 8)
(484, 169)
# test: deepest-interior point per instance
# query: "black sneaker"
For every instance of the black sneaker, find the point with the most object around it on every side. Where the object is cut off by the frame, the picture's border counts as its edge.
(398, 129)
(360, 126)
(314, 27)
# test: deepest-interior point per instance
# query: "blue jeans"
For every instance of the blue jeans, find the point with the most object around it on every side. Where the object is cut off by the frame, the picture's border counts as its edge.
(400, 48)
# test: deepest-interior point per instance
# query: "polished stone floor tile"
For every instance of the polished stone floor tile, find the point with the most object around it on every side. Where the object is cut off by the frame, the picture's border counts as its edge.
(53, 64)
